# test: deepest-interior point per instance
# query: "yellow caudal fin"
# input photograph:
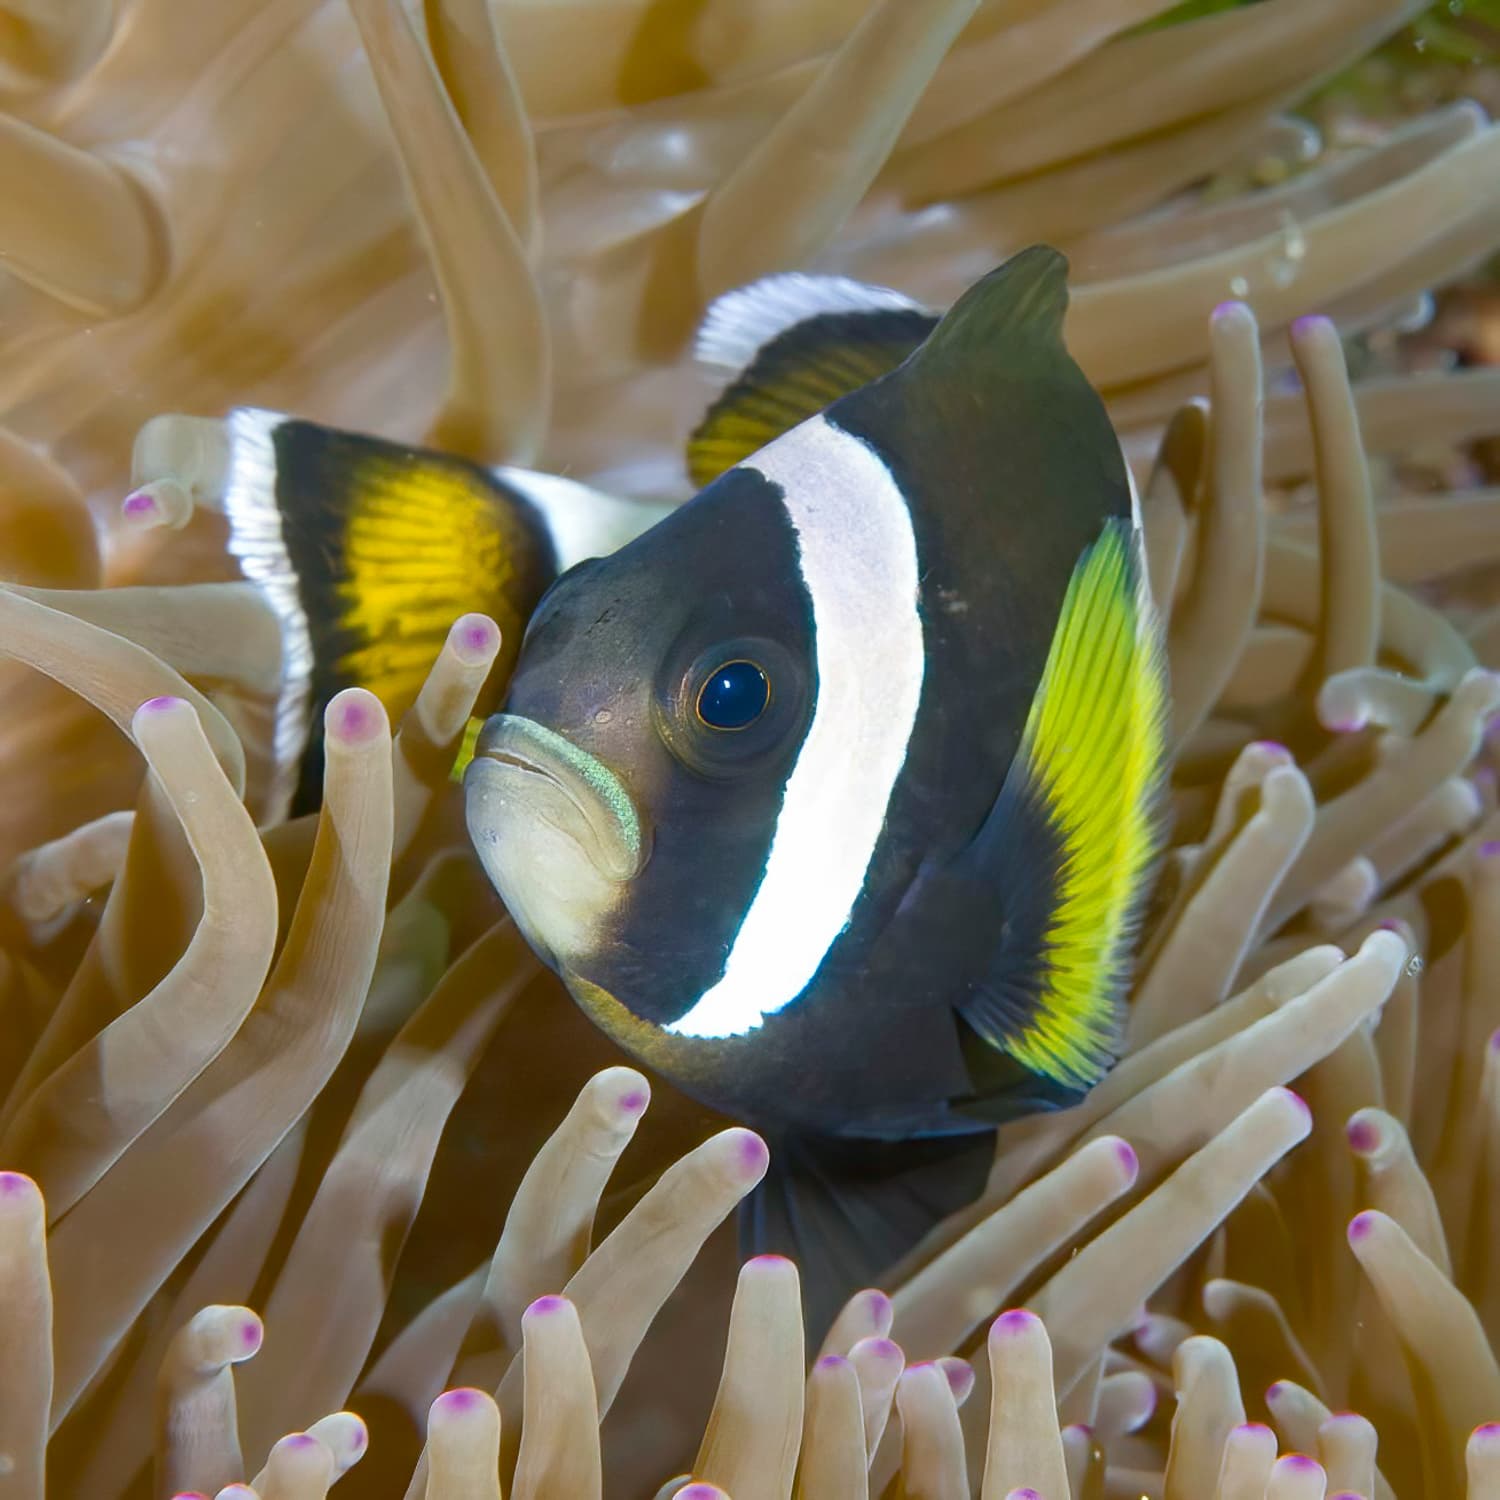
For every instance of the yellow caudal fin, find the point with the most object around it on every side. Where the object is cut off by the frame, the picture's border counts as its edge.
(792, 345)
(369, 550)
(1079, 816)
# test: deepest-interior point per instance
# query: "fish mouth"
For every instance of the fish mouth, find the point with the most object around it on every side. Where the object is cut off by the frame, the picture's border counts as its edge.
(525, 773)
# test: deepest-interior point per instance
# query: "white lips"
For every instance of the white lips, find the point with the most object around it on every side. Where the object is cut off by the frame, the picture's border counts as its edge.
(556, 832)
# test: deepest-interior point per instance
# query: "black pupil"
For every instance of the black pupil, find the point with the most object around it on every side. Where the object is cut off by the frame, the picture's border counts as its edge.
(734, 696)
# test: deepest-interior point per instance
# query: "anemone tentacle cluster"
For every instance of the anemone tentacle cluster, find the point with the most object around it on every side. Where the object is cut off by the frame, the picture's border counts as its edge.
(309, 1068)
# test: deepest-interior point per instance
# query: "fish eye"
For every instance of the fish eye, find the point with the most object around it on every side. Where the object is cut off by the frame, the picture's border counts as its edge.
(733, 707)
(733, 696)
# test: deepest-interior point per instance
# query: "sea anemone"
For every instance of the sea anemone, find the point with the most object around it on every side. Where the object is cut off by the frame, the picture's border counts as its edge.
(308, 1067)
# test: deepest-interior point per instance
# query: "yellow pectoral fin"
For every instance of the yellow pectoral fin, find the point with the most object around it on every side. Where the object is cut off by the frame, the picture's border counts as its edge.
(1089, 769)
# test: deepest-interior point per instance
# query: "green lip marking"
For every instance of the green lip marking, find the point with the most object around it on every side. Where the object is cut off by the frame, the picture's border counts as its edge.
(619, 845)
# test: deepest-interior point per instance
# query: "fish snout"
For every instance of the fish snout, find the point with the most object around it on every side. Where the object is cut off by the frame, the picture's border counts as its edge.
(522, 770)
(557, 832)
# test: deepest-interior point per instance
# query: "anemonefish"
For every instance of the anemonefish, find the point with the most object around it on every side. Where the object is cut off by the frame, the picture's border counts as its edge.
(367, 550)
(833, 797)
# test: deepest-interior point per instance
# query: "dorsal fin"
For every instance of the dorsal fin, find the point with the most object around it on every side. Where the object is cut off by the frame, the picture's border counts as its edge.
(793, 344)
(739, 324)
(992, 423)
(1012, 317)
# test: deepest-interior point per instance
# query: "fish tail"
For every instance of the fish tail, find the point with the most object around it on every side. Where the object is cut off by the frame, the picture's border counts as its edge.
(368, 550)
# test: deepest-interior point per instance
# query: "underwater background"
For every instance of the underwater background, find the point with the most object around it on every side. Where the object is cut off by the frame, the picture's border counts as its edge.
(314, 1177)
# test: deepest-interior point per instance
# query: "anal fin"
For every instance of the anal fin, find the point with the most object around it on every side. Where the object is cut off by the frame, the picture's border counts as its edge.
(846, 1210)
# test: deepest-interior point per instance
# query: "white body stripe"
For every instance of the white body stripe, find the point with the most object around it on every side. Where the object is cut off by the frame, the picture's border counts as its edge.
(858, 556)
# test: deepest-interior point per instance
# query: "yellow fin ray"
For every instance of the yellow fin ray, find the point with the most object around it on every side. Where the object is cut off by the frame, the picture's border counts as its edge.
(370, 550)
(1092, 754)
